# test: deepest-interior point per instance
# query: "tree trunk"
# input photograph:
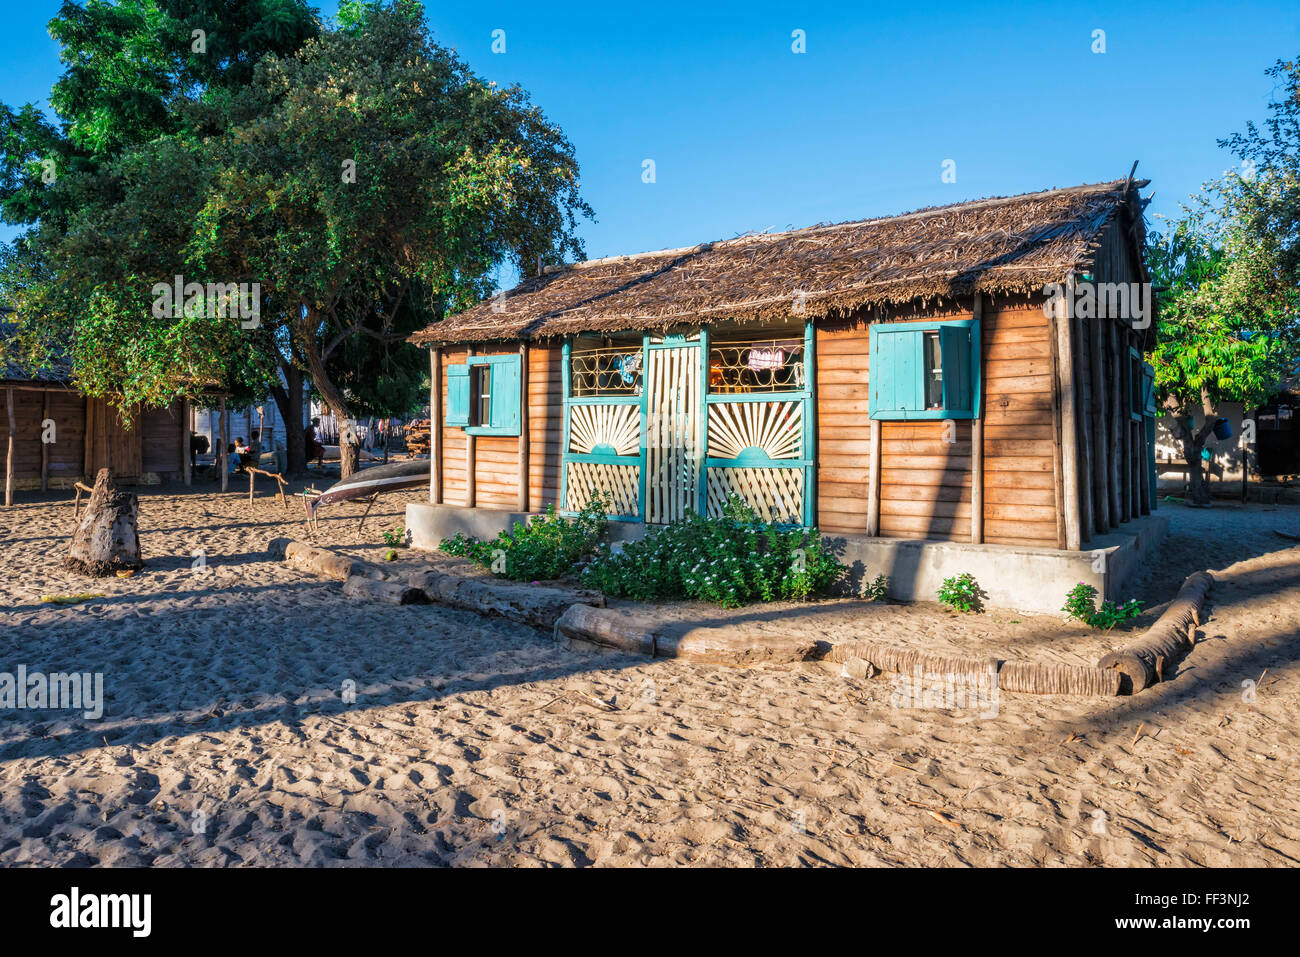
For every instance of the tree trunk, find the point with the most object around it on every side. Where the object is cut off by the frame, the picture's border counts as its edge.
(329, 392)
(1198, 492)
(106, 541)
(289, 402)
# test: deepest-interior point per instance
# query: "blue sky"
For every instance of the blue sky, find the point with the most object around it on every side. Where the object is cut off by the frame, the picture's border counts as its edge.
(747, 135)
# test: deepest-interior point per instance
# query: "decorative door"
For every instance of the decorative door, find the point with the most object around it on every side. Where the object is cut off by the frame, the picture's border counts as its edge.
(674, 445)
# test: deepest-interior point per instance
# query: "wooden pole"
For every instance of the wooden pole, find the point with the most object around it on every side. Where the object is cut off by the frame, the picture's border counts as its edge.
(1058, 500)
(1069, 428)
(45, 447)
(873, 482)
(9, 453)
(435, 425)
(1100, 428)
(186, 471)
(523, 427)
(1083, 418)
(1114, 433)
(223, 426)
(471, 490)
(977, 443)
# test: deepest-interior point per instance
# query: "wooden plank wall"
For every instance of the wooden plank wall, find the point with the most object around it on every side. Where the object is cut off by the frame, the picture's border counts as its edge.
(1113, 449)
(68, 410)
(27, 433)
(496, 457)
(545, 424)
(161, 439)
(925, 483)
(843, 429)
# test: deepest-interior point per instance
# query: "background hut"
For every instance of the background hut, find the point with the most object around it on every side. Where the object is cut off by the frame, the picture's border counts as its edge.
(51, 435)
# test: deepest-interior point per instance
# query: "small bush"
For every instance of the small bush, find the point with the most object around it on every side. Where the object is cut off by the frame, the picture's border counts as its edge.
(960, 592)
(731, 560)
(547, 546)
(877, 590)
(394, 538)
(1081, 605)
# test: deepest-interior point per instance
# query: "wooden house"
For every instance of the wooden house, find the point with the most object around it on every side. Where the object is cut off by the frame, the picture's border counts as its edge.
(52, 435)
(912, 377)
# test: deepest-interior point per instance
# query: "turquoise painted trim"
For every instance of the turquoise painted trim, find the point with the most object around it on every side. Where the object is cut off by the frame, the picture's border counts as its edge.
(759, 396)
(809, 425)
(566, 371)
(911, 415)
(505, 391)
(769, 464)
(702, 428)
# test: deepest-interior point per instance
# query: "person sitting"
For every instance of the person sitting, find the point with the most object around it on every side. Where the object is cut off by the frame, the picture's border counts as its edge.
(314, 449)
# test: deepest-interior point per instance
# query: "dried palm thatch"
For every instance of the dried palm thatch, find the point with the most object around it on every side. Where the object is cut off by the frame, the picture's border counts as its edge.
(1009, 245)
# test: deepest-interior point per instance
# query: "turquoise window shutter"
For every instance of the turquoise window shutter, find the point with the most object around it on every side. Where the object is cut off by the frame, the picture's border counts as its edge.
(505, 396)
(955, 352)
(457, 395)
(894, 372)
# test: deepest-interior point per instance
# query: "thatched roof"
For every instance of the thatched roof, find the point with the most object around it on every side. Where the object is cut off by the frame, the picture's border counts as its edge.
(1002, 245)
(13, 369)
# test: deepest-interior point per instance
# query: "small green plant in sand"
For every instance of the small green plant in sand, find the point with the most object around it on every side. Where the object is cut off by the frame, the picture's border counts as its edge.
(394, 537)
(730, 560)
(72, 599)
(960, 592)
(877, 590)
(1081, 605)
(547, 546)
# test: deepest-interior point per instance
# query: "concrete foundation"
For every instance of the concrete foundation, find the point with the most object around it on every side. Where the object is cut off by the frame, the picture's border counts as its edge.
(1011, 576)
(1016, 577)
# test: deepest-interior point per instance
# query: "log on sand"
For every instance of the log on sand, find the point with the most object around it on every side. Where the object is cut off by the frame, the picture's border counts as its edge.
(390, 592)
(1025, 677)
(728, 645)
(322, 561)
(1143, 662)
(605, 627)
(538, 605)
(106, 540)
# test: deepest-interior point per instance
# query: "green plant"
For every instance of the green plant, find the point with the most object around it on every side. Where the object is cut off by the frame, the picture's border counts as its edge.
(546, 546)
(730, 560)
(394, 538)
(1081, 605)
(960, 592)
(877, 590)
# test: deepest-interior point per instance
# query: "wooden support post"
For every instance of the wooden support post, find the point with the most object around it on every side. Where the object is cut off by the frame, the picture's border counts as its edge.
(1065, 390)
(45, 446)
(1100, 428)
(471, 480)
(9, 452)
(1124, 400)
(873, 481)
(1115, 433)
(1083, 420)
(186, 471)
(223, 426)
(977, 442)
(523, 427)
(435, 425)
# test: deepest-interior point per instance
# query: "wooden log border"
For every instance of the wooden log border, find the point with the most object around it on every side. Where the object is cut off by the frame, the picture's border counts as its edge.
(1144, 661)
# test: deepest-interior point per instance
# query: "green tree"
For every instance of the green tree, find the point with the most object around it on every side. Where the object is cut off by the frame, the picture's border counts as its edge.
(1229, 272)
(374, 173)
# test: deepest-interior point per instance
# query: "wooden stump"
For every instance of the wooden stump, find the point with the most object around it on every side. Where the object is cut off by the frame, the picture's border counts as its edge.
(106, 540)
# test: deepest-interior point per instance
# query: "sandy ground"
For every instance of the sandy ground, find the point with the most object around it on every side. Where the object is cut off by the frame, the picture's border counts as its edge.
(227, 738)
